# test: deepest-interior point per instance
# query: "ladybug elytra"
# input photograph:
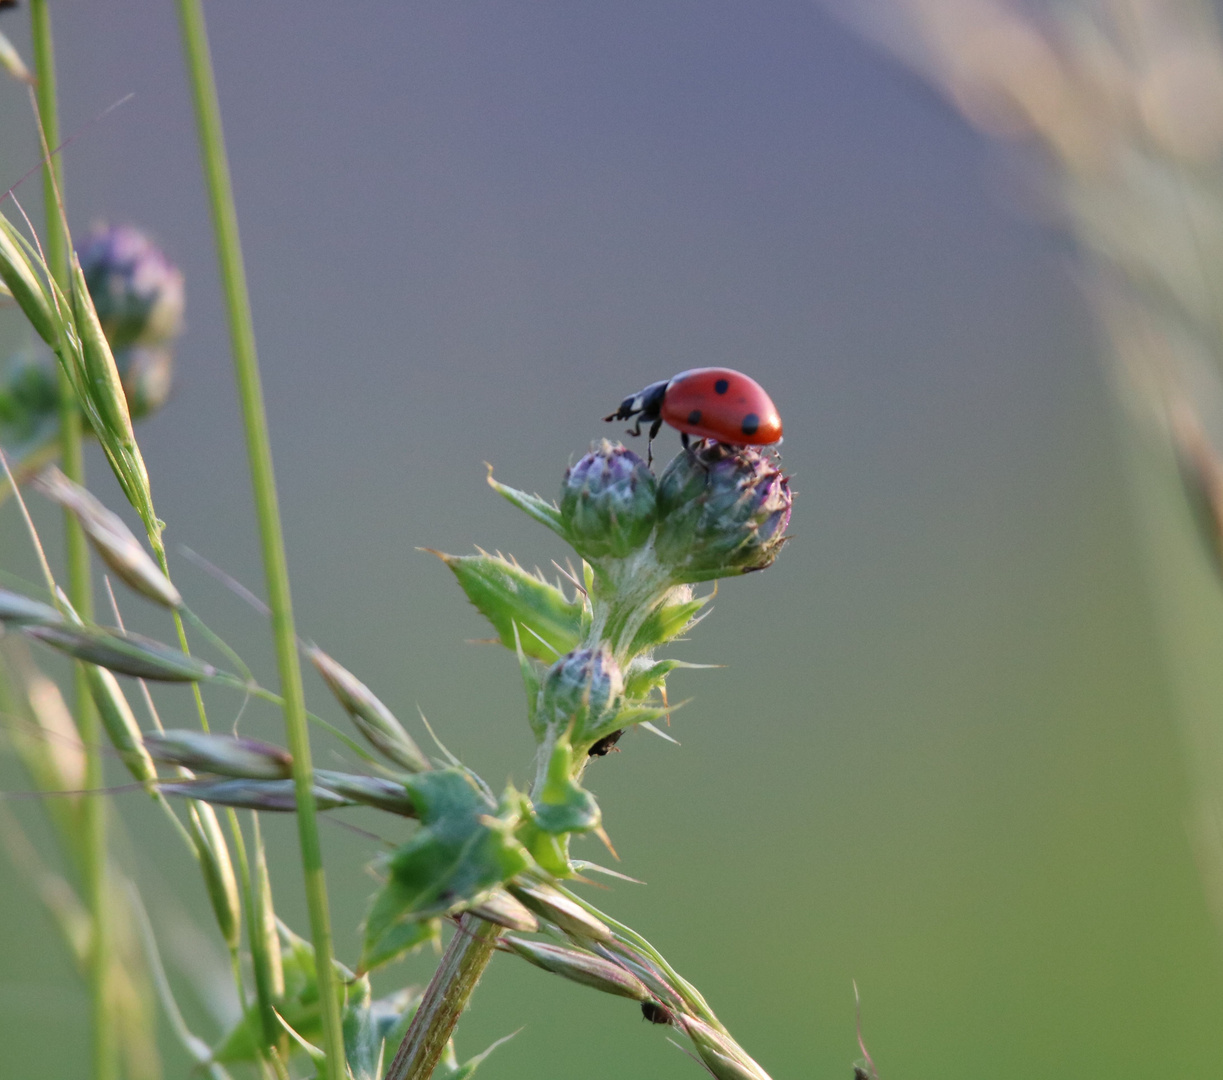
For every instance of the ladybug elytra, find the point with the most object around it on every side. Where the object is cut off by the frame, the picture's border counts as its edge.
(711, 403)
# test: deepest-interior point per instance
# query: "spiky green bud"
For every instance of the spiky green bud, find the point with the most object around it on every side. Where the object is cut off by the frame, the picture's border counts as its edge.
(136, 289)
(583, 688)
(607, 502)
(723, 510)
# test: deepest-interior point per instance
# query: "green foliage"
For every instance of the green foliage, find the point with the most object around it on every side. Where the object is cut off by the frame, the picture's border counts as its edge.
(547, 622)
(463, 849)
(299, 1005)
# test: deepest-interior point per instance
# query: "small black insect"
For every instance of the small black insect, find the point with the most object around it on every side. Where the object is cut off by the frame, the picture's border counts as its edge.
(657, 1014)
(605, 745)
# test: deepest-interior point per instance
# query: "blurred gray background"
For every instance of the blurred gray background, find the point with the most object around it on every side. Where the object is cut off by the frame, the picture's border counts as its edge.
(940, 758)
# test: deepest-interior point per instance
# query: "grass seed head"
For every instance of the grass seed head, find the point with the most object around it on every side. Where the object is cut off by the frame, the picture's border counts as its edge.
(18, 610)
(569, 917)
(225, 755)
(111, 538)
(580, 967)
(373, 719)
(127, 654)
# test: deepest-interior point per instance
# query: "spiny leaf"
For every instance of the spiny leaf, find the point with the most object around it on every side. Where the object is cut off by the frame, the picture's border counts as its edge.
(507, 595)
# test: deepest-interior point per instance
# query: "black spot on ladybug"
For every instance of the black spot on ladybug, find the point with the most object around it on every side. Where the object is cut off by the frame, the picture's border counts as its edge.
(694, 417)
(657, 1014)
(751, 424)
(605, 745)
(721, 386)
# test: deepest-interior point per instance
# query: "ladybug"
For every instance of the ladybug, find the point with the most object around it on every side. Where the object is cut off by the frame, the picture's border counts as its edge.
(711, 403)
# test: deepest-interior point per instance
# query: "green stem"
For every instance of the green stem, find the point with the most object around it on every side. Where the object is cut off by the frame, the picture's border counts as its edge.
(450, 989)
(93, 811)
(250, 392)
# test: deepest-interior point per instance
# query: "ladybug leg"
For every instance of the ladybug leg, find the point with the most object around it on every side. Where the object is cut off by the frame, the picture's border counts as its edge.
(686, 441)
(655, 428)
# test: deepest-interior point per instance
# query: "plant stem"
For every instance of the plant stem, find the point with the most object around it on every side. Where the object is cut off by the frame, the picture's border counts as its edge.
(450, 989)
(259, 453)
(93, 810)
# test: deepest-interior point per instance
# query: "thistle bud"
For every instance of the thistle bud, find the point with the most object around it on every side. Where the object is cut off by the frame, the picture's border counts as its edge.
(608, 503)
(723, 510)
(583, 687)
(580, 967)
(146, 372)
(225, 755)
(137, 291)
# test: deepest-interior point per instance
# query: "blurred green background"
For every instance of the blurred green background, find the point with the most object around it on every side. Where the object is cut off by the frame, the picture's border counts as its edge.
(942, 757)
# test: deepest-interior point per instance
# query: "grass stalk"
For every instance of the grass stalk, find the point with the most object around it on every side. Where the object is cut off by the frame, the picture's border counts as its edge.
(94, 872)
(451, 987)
(250, 392)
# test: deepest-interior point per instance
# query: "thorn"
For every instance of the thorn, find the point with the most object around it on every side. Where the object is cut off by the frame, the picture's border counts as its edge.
(602, 835)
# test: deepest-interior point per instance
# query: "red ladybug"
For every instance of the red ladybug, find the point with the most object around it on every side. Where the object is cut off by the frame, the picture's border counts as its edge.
(710, 403)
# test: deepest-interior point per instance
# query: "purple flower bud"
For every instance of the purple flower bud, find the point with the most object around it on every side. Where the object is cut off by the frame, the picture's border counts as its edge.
(608, 502)
(723, 510)
(137, 291)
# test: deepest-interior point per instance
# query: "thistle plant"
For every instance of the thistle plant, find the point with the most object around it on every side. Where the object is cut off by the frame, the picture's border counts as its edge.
(494, 863)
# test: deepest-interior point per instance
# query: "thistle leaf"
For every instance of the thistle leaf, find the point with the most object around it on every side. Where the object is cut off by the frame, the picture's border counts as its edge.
(507, 595)
(540, 509)
(461, 853)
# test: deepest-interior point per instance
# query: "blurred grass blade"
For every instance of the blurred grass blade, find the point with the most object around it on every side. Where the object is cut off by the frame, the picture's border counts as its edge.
(266, 960)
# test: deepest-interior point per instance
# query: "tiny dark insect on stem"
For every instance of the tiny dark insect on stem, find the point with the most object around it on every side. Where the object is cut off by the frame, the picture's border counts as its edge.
(656, 1013)
(605, 745)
